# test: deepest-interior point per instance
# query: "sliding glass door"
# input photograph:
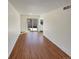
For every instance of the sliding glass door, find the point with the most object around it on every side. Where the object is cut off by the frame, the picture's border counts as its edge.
(32, 24)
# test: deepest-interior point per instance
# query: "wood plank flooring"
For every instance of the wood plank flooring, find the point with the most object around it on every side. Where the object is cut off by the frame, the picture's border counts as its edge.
(33, 45)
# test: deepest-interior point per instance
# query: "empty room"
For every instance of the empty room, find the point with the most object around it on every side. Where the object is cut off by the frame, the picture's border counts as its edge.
(39, 29)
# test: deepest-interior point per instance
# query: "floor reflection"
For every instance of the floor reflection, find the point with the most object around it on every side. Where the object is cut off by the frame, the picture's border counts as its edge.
(35, 38)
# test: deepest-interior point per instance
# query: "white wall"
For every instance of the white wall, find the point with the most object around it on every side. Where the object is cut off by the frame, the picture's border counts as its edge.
(57, 27)
(40, 27)
(24, 27)
(13, 27)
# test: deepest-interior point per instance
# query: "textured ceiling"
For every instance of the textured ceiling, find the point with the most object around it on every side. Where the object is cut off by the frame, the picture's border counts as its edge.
(37, 7)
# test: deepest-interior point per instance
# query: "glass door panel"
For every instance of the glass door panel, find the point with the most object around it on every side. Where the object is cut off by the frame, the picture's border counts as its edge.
(32, 24)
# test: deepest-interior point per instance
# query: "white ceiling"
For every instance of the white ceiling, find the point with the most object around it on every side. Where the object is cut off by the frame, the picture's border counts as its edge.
(37, 7)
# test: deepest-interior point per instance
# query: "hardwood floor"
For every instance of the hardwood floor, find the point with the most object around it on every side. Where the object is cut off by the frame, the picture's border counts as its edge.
(34, 46)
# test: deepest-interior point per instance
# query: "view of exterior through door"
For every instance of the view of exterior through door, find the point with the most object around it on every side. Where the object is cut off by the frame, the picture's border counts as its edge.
(32, 24)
